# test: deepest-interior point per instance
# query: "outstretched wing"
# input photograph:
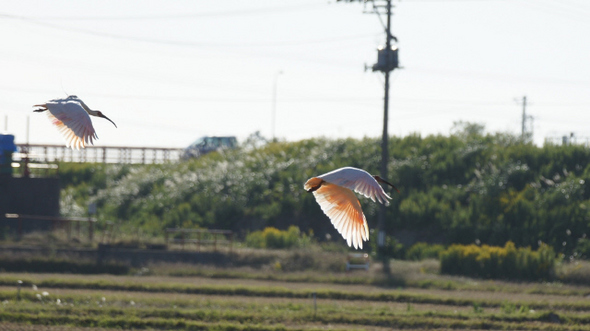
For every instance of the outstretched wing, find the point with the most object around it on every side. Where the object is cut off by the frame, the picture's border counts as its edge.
(72, 121)
(344, 210)
(359, 181)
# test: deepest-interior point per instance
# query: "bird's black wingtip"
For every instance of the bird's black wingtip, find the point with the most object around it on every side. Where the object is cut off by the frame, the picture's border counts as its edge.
(381, 180)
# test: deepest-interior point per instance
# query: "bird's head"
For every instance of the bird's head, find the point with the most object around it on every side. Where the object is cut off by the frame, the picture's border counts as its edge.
(381, 180)
(100, 114)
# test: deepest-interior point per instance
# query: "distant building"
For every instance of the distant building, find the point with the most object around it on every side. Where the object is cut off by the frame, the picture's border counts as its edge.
(7, 147)
(38, 196)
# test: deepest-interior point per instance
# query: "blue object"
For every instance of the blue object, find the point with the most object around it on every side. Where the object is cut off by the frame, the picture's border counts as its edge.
(7, 143)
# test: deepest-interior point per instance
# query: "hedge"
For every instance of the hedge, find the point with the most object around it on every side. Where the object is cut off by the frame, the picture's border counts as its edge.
(495, 262)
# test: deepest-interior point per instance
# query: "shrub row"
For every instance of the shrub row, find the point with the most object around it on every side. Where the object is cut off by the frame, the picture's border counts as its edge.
(495, 262)
(52, 265)
(272, 237)
(421, 250)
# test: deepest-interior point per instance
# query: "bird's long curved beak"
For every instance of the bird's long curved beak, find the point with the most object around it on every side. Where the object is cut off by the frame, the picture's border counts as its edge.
(381, 180)
(109, 120)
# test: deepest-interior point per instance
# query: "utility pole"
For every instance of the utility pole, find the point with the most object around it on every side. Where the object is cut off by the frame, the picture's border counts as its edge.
(525, 135)
(523, 117)
(387, 61)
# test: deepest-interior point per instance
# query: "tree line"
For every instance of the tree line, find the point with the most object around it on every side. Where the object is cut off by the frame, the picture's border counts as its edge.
(467, 187)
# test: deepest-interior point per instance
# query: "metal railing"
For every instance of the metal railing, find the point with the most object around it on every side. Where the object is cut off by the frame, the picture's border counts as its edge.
(203, 237)
(56, 222)
(102, 154)
(357, 261)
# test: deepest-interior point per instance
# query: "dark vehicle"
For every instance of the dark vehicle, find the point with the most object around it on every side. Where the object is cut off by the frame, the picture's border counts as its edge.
(206, 145)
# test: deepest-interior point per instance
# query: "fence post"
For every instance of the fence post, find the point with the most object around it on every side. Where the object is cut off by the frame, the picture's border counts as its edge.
(182, 239)
(231, 241)
(18, 284)
(20, 228)
(90, 230)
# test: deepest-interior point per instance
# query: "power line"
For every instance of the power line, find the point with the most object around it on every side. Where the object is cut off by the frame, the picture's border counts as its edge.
(187, 43)
(554, 9)
(410, 1)
(288, 99)
(571, 7)
(239, 12)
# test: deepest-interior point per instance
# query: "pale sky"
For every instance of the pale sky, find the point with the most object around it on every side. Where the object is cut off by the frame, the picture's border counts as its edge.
(167, 72)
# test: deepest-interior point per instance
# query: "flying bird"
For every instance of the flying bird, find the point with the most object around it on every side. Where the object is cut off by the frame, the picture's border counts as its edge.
(333, 191)
(70, 115)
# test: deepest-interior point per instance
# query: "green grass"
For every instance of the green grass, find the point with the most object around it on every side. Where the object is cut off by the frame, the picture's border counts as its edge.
(406, 296)
(42, 264)
(404, 274)
(241, 297)
(194, 303)
(88, 309)
(306, 266)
